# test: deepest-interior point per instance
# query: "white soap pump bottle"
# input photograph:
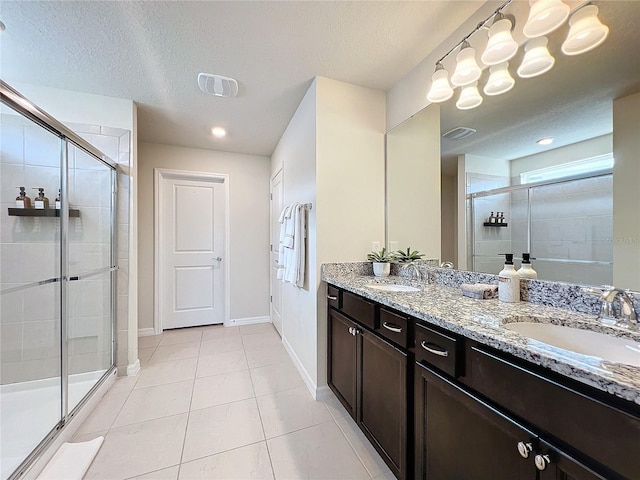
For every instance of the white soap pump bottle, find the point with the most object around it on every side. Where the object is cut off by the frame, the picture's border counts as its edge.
(508, 281)
(526, 269)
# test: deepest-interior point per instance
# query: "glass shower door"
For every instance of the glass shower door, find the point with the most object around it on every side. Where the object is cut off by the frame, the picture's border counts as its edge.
(30, 290)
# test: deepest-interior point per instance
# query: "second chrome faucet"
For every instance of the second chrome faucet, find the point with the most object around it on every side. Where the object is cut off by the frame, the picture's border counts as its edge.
(625, 315)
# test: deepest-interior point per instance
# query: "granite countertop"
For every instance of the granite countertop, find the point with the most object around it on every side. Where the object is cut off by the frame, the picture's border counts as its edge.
(483, 320)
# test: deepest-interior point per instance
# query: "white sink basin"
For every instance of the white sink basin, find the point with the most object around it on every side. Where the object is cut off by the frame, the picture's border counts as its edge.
(607, 347)
(392, 287)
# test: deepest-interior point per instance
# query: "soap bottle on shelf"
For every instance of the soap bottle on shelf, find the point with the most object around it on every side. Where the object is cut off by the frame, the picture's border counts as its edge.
(492, 218)
(526, 269)
(58, 201)
(22, 201)
(41, 202)
(501, 218)
(508, 281)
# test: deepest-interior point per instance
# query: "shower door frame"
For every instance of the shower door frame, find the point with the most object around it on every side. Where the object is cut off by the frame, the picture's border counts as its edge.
(16, 101)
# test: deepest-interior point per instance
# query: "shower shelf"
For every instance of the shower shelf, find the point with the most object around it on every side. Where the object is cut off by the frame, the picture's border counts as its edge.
(46, 212)
(487, 224)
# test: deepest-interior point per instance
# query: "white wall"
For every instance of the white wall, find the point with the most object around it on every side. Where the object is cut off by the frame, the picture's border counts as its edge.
(249, 223)
(449, 218)
(626, 194)
(332, 155)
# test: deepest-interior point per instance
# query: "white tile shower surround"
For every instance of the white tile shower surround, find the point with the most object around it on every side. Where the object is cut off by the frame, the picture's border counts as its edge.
(223, 403)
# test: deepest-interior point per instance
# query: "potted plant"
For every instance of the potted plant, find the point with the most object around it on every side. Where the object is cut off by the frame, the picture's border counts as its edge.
(381, 262)
(406, 257)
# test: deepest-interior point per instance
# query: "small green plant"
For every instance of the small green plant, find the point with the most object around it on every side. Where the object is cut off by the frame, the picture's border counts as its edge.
(408, 256)
(380, 257)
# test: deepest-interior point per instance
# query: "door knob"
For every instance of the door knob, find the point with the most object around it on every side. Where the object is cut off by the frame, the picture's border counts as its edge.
(542, 461)
(524, 449)
(219, 258)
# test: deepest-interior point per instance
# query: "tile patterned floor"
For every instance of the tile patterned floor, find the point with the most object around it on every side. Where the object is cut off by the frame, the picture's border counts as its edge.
(223, 403)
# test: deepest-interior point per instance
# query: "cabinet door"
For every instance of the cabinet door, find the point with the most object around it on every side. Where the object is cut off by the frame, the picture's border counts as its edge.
(460, 437)
(383, 400)
(557, 465)
(343, 359)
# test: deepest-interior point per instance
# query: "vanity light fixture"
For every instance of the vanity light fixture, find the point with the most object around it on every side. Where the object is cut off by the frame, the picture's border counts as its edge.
(500, 80)
(545, 141)
(586, 31)
(544, 17)
(469, 97)
(537, 59)
(467, 69)
(218, 132)
(440, 90)
(501, 46)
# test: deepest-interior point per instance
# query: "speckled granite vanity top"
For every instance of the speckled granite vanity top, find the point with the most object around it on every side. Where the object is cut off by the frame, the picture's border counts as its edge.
(483, 320)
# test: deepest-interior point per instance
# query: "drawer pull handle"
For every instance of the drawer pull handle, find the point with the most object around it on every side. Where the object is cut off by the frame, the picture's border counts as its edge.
(542, 461)
(331, 297)
(392, 327)
(435, 351)
(524, 449)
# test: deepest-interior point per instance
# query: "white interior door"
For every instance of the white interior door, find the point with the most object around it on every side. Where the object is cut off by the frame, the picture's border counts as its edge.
(192, 251)
(276, 285)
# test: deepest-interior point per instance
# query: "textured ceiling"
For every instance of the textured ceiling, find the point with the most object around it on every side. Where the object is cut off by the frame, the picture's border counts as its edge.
(572, 102)
(151, 52)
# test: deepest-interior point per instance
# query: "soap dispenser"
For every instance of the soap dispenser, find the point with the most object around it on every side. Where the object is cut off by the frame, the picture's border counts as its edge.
(508, 281)
(41, 202)
(22, 201)
(526, 269)
(58, 204)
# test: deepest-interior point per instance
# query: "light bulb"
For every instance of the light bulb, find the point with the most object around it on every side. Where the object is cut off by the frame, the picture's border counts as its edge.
(440, 90)
(467, 70)
(501, 45)
(469, 97)
(544, 17)
(500, 81)
(537, 59)
(218, 132)
(585, 33)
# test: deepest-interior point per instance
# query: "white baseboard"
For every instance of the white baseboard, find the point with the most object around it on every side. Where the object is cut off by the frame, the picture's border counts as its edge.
(248, 321)
(311, 385)
(145, 332)
(133, 369)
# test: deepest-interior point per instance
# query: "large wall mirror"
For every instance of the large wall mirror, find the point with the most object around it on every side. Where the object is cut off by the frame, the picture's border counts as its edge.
(562, 202)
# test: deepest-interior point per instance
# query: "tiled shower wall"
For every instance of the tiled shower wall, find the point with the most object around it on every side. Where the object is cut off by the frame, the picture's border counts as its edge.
(29, 319)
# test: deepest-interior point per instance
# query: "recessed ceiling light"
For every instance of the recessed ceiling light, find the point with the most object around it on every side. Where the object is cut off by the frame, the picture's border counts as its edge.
(545, 141)
(218, 132)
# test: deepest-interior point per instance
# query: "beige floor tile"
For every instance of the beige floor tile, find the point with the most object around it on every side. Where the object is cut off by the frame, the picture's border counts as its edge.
(149, 341)
(318, 452)
(335, 407)
(170, 473)
(275, 378)
(257, 328)
(85, 437)
(260, 341)
(250, 462)
(267, 356)
(219, 331)
(102, 417)
(229, 343)
(125, 383)
(177, 351)
(386, 476)
(218, 363)
(181, 335)
(140, 448)
(168, 372)
(144, 355)
(155, 402)
(363, 448)
(291, 410)
(224, 427)
(221, 389)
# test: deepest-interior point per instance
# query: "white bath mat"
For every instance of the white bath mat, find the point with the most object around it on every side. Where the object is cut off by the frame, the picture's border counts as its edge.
(71, 461)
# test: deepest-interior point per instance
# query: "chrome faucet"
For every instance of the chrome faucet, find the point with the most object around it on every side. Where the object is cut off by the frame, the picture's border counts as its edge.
(608, 295)
(446, 265)
(415, 268)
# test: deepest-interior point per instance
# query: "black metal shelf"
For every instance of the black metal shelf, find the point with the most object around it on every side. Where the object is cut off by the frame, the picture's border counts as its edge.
(487, 224)
(40, 212)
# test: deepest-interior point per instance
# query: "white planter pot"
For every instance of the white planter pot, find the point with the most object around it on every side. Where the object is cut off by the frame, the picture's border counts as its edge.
(381, 269)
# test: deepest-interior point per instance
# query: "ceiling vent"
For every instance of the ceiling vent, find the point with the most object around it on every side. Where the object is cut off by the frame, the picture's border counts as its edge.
(217, 85)
(458, 133)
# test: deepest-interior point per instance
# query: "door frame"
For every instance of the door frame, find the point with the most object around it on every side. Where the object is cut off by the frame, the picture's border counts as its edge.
(274, 248)
(160, 174)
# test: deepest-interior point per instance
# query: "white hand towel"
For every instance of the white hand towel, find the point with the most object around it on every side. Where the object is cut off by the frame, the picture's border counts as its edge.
(294, 258)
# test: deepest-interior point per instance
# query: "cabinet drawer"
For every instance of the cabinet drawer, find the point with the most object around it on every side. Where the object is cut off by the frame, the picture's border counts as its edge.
(333, 297)
(359, 309)
(394, 327)
(440, 350)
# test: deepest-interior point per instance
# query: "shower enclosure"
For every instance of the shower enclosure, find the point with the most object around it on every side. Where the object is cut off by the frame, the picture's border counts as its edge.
(57, 278)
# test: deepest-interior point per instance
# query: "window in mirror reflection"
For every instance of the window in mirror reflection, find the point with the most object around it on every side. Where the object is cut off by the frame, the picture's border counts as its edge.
(593, 165)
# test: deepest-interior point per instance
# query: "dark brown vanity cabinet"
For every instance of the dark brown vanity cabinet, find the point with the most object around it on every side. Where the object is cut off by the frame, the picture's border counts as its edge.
(368, 374)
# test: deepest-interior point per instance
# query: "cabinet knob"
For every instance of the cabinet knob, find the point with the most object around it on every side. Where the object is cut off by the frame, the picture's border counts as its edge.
(542, 461)
(524, 449)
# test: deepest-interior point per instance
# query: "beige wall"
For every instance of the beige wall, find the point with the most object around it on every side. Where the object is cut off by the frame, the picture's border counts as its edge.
(249, 223)
(449, 227)
(626, 194)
